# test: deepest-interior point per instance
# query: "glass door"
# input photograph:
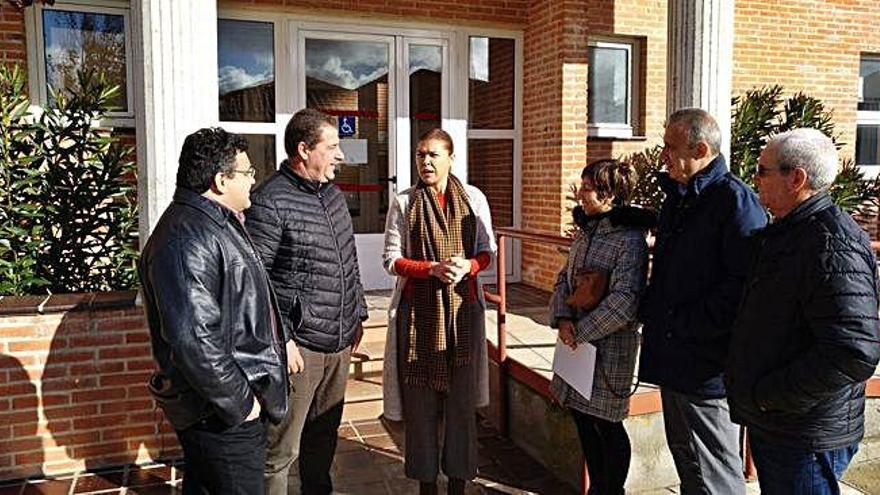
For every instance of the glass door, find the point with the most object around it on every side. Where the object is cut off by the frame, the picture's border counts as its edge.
(350, 77)
(424, 103)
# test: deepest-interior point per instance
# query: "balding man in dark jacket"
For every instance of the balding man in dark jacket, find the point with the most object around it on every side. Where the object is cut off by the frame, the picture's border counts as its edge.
(806, 337)
(700, 264)
(301, 226)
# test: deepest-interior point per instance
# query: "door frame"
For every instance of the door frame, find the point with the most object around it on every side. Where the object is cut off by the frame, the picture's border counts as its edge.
(287, 26)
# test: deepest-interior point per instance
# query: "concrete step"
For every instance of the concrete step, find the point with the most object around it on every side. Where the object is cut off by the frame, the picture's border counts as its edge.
(369, 356)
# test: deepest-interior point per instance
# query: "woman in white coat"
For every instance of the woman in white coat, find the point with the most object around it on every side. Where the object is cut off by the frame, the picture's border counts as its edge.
(438, 237)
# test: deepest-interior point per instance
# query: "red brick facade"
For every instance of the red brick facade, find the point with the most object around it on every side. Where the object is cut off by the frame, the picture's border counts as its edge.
(807, 45)
(73, 392)
(12, 37)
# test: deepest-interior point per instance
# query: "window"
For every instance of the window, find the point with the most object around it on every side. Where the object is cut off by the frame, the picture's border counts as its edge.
(492, 133)
(613, 92)
(246, 87)
(73, 37)
(868, 121)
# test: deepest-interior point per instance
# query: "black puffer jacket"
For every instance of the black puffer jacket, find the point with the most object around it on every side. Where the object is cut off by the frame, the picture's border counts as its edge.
(303, 231)
(806, 337)
(208, 300)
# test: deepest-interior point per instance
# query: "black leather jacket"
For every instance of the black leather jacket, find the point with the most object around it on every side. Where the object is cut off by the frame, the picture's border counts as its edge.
(806, 337)
(303, 232)
(208, 304)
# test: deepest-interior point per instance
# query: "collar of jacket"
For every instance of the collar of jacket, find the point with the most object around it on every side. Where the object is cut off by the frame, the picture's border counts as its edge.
(618, 217)
(215, 211)
(815, 203)
(301, 182)
(699, 182)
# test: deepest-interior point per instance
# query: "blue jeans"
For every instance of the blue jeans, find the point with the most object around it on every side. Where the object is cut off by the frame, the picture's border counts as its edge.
(786, 470)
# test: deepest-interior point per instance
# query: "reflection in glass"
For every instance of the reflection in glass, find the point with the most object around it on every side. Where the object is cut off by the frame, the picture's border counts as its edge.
(869, 73)
(246, 71)
(608, 85)
(85, 40)
(350, 78)
(425, 94)
(867, 145)
(261, 152)
(491, 83)
(490, 168)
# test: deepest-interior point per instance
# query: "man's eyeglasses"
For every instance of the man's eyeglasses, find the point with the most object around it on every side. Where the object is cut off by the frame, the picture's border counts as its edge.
(251, 172)
(764, 171)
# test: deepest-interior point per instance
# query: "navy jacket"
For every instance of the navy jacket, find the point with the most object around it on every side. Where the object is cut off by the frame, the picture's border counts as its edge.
(700, 263)
(303, 232)
(806, 337)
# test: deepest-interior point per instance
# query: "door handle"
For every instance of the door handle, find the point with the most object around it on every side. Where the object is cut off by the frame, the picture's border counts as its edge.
(391, 180)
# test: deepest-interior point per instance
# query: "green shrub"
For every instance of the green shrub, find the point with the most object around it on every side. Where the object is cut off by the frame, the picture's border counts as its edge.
(758, 115)
(21, 186)
(80, 204)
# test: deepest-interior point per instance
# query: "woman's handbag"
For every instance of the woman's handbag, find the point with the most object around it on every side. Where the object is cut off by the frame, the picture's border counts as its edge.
(590, 287)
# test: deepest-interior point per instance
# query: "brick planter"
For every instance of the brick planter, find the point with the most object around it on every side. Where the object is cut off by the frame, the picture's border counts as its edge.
(73, 372)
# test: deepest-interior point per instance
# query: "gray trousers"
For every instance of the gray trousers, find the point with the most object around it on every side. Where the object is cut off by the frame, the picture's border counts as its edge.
(437, 420)
(309, 431)
(704, 444)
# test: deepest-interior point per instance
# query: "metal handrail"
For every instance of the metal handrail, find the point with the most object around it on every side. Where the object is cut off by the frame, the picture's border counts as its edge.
(500, 299)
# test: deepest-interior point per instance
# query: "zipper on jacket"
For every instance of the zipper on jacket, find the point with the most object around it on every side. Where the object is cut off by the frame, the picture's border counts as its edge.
(270, 292)
(341, 269)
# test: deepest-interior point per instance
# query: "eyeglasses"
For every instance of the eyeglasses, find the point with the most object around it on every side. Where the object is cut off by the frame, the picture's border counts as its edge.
(251, 172)
(764, 171)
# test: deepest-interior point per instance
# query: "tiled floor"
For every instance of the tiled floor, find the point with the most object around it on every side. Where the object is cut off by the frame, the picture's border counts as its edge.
(368, 461)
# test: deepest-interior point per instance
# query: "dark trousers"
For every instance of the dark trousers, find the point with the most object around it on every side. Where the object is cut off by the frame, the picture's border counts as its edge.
(309, 431)
(223, 460)
(789, 471)
(607, 452)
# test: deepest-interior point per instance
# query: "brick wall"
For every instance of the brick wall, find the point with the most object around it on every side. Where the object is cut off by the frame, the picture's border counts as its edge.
(542, 182)
(73, 386)
(488, 11)
(490, 168)
(646, 22)
(12, 40)
(807, 45)
(555, 147)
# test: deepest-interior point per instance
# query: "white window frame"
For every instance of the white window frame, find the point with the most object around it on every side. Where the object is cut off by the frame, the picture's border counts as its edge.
(633, 103)
(513, 247)
(38, 87)
(869, 117)
(283, 111)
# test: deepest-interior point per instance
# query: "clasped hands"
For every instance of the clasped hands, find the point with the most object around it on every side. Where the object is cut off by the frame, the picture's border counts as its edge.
(451, 270)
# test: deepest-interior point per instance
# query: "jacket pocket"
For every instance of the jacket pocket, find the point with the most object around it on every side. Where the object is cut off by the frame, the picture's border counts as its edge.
(181, 407)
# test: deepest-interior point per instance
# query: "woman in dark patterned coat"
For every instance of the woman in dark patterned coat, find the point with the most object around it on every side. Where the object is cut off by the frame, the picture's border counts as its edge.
(610, 238)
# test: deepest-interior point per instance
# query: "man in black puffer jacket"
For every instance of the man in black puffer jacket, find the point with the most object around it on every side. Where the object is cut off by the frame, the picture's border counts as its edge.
(300, 224)
(214, 321)
(806, 337)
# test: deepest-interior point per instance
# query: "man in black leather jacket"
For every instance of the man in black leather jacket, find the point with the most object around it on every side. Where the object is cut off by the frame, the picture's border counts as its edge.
(806, 336)
(216, 331)
(303, 231)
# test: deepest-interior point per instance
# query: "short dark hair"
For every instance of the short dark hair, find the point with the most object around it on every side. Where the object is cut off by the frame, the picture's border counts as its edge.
(305, 127)
(612, 179)
(206, 153)
(437, 134)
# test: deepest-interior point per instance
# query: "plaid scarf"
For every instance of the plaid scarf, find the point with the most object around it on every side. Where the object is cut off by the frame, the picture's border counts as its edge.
(439, 318)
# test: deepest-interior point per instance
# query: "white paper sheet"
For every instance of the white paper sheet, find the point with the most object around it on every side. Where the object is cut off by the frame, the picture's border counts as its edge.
(576, 366)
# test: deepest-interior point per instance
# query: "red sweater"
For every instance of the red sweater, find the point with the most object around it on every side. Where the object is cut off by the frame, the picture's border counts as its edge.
(422, 269)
